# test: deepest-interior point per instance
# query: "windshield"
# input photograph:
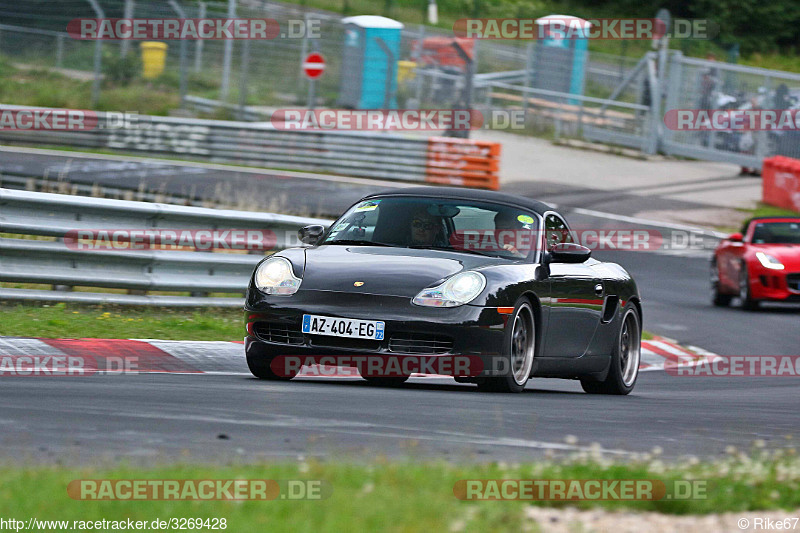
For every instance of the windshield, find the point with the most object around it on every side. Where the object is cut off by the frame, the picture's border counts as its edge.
(777, 232)
(438, 224)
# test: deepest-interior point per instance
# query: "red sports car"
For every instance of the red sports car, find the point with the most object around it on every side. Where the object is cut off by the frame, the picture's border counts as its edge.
(761, 263)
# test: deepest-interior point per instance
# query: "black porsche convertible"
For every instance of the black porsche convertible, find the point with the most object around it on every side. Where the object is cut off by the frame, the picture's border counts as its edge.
(440, 272)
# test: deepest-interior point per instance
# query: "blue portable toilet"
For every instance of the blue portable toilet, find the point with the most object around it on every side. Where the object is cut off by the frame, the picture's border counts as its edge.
(369, 62)
(559, 59)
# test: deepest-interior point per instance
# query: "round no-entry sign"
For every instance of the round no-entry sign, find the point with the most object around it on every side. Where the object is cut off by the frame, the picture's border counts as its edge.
(314, 65)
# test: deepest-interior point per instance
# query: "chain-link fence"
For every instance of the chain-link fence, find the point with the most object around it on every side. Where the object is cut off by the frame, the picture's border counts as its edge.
(713, 86)
(616, 99)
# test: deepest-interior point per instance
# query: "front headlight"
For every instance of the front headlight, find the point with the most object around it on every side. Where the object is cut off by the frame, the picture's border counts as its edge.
(457, 290)
(275, 276)
(769, 261)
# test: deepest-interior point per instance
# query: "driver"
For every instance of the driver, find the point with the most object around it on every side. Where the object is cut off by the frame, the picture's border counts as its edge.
(425, 228)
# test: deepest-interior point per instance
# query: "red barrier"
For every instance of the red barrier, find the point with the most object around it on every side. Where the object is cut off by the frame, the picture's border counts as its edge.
(464, 162)
(781, 182)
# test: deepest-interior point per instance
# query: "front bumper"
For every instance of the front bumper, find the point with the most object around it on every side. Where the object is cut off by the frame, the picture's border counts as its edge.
(465, 330)
(775, 285)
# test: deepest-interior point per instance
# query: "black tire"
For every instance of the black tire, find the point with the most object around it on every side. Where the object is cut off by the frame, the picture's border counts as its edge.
(625, 360)
(745, 295)
(519, 346)
(717, 298)
(258, 361)
(386, 382)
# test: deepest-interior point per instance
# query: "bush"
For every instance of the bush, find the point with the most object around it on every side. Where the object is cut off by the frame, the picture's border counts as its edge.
(121, 70)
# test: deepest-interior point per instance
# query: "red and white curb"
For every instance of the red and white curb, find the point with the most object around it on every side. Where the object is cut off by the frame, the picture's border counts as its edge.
(222, 357)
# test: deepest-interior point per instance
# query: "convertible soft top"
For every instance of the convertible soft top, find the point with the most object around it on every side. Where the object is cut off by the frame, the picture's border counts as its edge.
(467, 194)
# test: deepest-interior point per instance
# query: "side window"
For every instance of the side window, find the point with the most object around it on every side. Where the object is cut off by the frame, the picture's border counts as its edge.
(556, 230)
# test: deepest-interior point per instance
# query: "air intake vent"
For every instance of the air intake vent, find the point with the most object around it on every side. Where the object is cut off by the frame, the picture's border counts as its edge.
(278, 333)
(420, 343)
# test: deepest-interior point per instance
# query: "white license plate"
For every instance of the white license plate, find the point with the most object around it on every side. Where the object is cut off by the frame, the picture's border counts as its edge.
(343, 327)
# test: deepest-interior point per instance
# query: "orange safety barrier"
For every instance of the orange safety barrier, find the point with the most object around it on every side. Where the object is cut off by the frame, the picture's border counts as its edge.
(464, 162)
(780, 183)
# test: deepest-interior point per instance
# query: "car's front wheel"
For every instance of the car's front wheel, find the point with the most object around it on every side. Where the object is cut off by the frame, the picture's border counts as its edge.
(519, 348)
(259, 362)
(625, 359)
(717, 298)
(745, 295)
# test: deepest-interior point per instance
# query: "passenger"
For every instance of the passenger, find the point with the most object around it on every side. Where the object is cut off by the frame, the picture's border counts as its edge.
(505, 222)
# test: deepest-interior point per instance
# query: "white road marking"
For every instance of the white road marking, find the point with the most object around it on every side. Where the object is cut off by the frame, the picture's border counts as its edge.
(225, 358)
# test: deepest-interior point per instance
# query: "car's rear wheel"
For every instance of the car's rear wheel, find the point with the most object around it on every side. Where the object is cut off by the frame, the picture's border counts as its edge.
(745, 294)
(259, 363)
(625, 359)
(519, 346)
(717, 298)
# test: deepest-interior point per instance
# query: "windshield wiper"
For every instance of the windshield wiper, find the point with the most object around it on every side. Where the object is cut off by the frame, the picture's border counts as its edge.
(357, 242)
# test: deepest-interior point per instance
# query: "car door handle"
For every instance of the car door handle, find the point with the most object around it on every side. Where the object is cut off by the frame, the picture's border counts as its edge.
(598, 289)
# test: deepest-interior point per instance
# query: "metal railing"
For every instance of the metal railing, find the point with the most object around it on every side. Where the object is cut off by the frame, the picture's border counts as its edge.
(362, 154)
(54, 262)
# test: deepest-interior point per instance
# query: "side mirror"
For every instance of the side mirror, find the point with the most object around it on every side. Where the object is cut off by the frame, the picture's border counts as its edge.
(567, 252)
(736, 237)
(311, 234)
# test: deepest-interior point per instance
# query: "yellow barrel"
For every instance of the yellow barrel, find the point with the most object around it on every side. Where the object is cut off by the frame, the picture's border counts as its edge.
(154, 56)
(406, 70)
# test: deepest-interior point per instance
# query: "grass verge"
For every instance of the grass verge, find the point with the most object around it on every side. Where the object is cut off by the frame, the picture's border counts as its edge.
(116, 322)
(764, 210)
(408, 496)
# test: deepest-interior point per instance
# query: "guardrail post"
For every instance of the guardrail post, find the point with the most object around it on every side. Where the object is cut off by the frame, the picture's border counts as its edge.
(301, 77)
(673, 92)
(59, 50)
(312, 82)
(182, 14)
(226, 58)
(245, 68)
(128, 14)
(198, 45)
(98, 55)
(416, 55)
(466, 97)
(528, 75)
(655, 107)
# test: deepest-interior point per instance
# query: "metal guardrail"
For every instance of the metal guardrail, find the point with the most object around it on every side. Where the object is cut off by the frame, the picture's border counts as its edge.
(351, 153)
(207, 105)
(363, 154)
(56, 263)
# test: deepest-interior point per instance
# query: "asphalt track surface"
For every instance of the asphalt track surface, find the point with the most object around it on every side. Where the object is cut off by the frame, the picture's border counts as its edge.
(213, 417)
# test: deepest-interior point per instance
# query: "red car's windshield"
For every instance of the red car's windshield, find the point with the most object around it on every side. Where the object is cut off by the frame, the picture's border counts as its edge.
(784, 232)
